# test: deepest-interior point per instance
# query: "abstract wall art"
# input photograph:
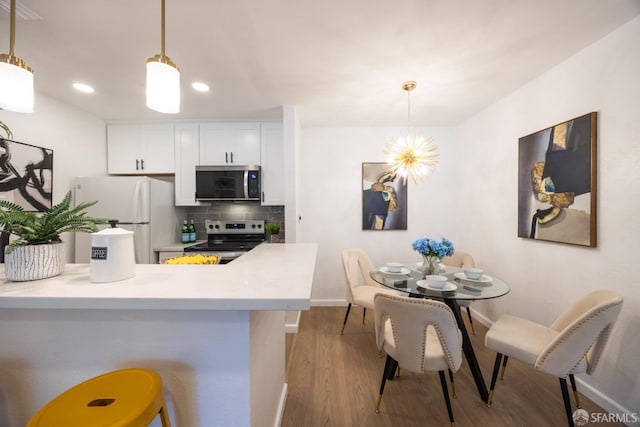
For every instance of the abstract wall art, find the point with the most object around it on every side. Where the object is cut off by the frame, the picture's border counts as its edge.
(384, 198)
(557, 183)
(26, 173)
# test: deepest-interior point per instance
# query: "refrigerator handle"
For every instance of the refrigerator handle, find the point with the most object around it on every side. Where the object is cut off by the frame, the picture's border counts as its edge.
(137, 193)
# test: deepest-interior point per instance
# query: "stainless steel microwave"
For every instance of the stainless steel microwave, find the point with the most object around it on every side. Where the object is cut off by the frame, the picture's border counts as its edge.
(227, 183)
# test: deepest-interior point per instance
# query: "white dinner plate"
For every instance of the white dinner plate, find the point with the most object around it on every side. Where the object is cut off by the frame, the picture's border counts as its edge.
(403, 271)
(447, 286)
(482, 279)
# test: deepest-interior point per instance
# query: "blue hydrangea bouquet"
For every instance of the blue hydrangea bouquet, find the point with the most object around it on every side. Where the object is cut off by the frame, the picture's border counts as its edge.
(432, 252)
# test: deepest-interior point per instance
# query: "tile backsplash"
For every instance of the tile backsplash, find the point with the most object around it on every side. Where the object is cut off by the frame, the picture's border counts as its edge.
(234, 211)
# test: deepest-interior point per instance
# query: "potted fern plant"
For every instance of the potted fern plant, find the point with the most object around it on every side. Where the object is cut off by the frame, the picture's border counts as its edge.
(38, 252)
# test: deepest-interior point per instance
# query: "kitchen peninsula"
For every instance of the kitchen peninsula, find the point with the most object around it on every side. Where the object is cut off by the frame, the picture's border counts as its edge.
(215, 333)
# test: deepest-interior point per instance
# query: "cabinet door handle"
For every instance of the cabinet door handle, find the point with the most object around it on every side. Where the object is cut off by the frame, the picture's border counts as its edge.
(263, 196)
(226, 157)
(137, 164)
(232, 157)
(141, 164)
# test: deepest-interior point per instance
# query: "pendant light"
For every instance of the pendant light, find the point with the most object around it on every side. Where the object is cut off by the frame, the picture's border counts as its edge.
(411, 154)
(16, 78)
(163, 80)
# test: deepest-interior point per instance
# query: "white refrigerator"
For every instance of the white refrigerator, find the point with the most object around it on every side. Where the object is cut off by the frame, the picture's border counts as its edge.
(140, 204)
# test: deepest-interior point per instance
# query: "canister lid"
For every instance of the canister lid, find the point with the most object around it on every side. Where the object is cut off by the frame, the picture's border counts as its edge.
(115, 232)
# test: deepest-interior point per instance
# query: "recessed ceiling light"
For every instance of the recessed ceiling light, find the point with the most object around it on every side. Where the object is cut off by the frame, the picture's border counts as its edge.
(81, 87)
(200, 87)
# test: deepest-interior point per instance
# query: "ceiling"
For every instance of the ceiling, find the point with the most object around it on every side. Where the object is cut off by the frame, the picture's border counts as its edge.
(342, 62)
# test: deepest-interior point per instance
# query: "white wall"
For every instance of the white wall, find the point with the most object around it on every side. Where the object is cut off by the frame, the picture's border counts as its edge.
(472, 199)
(331, 200)
(545, 277)
(78, 141)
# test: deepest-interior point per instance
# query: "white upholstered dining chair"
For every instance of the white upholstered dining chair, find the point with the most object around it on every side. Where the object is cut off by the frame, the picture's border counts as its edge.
(462, 259)
(360, 287)
(417, 335)
(572, 344)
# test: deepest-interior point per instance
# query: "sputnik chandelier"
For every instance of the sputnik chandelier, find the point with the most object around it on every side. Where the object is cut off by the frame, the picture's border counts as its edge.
(411, 155)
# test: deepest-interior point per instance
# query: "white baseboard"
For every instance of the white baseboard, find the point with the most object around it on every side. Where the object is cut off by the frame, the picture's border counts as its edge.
(281, 404)
(291, 327)
(481, 318)
(328, 302)
(608, 404)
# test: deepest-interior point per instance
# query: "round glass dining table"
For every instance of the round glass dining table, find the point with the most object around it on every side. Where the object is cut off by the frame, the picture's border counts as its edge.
(457, 288)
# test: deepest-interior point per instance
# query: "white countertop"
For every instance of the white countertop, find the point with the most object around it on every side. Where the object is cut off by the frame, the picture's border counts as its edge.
(270, 277)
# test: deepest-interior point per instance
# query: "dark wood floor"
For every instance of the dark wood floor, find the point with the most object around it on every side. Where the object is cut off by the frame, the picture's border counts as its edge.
(334, 381)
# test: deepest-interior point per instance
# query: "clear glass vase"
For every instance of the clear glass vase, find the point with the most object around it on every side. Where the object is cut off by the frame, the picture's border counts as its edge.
(430, 265)
(274, 238)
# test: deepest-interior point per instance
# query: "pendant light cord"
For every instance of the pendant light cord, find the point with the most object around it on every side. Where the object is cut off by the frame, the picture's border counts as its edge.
(161, 30)
(408, 112)
(12, 32)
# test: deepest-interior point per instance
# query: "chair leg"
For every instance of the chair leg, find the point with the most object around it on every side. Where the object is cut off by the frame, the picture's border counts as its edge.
(453, 385)
(473, 330)
(445, 392)
(494, 376)
(575, 390)
(364, 313)
(164, 417)
(392, 368)
(385, 374)
(504, 367)
(346, 316)
(567, 402)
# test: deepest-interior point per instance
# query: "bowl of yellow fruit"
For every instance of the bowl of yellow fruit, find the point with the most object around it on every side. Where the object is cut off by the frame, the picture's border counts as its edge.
(192, 260)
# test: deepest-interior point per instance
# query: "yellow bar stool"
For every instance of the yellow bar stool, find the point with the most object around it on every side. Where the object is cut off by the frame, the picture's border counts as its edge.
(123, 398)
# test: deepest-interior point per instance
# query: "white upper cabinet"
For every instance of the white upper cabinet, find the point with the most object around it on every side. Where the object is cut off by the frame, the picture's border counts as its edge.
(272, 164)
(140, 149)
(187, 140)
(229, 144)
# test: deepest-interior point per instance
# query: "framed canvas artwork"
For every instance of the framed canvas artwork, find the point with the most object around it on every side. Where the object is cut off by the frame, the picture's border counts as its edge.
(384, 198)
(557, 183)
(26, 174)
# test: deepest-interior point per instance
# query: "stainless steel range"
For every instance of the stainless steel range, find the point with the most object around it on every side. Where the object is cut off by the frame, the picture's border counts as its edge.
(230, 239)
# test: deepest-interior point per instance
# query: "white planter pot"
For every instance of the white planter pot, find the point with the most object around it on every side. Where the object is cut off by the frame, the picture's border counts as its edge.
(33, 262)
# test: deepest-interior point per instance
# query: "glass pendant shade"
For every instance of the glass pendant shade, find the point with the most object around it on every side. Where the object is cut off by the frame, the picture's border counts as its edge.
(163, 85)
(16, 87)
(16, 78)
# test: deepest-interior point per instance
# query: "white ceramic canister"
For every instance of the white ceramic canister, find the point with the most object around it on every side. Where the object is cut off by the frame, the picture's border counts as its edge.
(112, 255)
